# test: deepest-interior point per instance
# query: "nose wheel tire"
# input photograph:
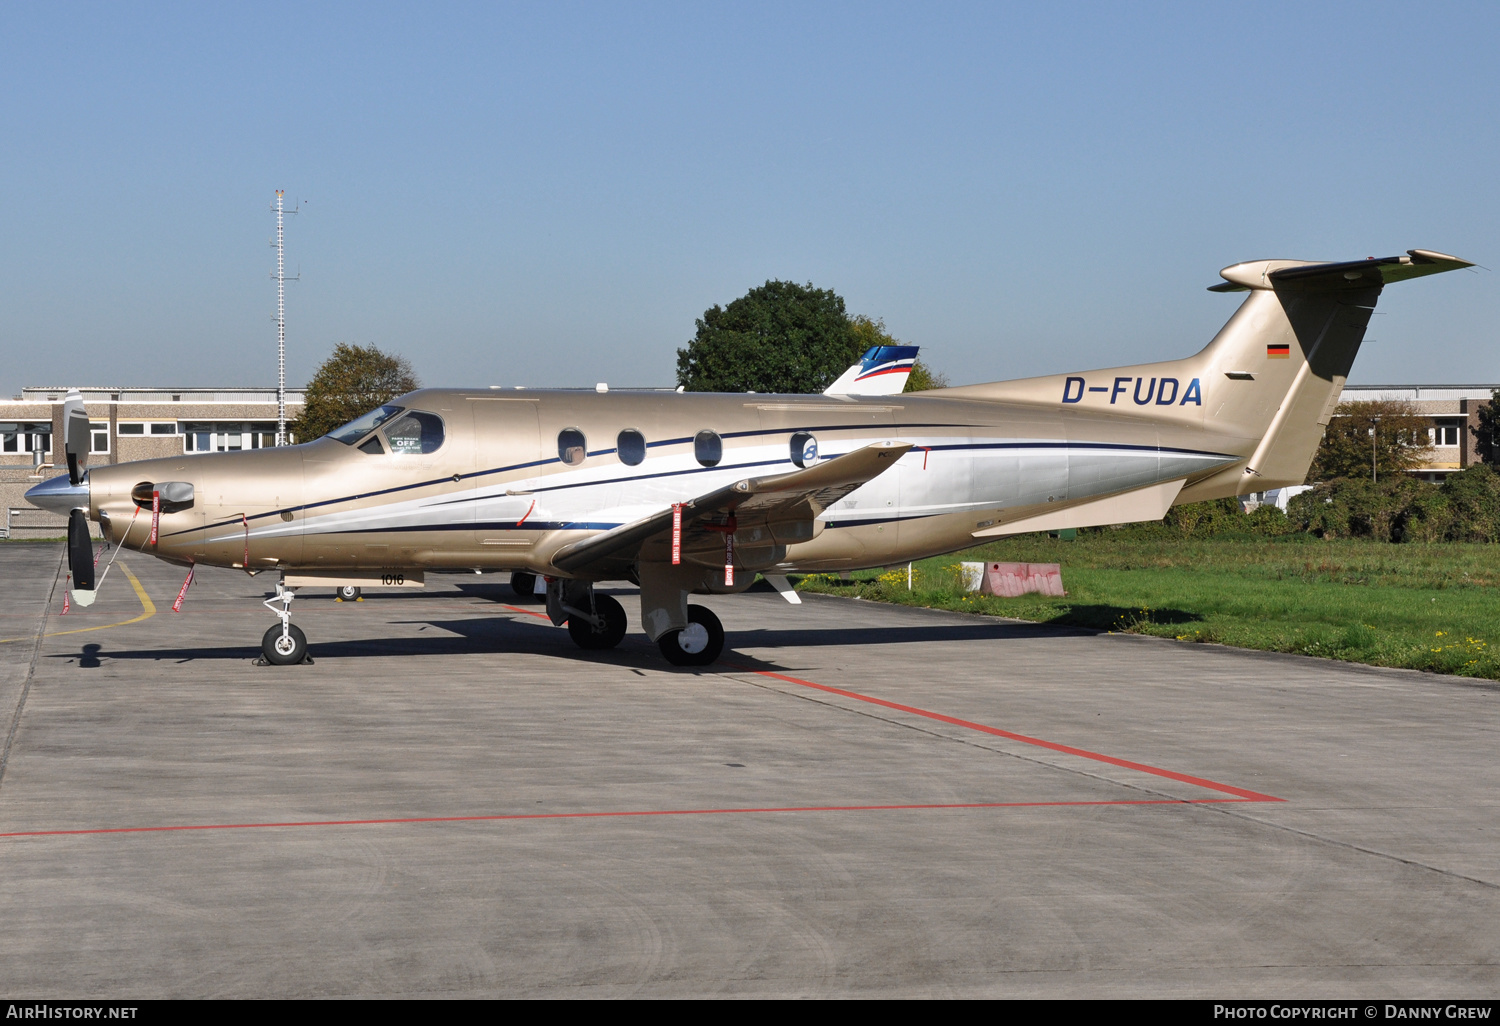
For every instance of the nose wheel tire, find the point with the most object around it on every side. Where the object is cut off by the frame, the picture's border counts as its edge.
(349, 593)
(608, 633)
(284, 649)
(697, 644)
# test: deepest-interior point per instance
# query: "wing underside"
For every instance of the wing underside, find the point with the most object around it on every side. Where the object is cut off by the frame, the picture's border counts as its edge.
(770, 510)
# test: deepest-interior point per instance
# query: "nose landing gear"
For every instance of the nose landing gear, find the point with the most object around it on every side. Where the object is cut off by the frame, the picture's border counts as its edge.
(283, 645)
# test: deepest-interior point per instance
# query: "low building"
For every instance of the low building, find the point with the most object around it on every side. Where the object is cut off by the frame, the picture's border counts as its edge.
(1453, 413)
(128, 424)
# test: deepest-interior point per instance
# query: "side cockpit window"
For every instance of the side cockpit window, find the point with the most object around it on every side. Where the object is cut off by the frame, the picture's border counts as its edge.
(415, 433)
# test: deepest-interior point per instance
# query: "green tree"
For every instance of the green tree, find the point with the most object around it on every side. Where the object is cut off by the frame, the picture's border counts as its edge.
(923, 377)
(351, 382)
(1487, 433)
(1473, 504)
(1206, 518)
(1369, 436)
(779, 337)
(1398, 508)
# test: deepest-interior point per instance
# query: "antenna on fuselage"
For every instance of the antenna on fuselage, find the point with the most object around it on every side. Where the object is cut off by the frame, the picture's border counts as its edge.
(281, 279)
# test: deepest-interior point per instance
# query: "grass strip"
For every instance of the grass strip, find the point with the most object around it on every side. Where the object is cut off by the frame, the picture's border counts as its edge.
(1420, 607)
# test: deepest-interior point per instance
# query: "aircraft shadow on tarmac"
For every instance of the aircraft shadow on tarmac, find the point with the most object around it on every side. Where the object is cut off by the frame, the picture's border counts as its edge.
(528, 636)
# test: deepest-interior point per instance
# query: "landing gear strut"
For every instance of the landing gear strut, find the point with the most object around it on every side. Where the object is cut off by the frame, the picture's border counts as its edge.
(283, 645)
(595, 621)
(605, 630)
(697, 644)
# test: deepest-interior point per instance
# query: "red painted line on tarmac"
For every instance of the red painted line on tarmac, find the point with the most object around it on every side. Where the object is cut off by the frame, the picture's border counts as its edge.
(616, 815)
(528, 612)
(1212, 785)
(1241, 793)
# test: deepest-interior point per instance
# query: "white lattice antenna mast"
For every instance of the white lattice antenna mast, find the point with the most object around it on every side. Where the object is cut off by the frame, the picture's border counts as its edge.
(281, 280)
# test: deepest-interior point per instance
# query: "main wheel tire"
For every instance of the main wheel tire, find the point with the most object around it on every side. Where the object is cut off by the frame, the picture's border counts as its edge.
(697, 644)
(524, 585)
(349, 593)
(284, 650)
(608, 634)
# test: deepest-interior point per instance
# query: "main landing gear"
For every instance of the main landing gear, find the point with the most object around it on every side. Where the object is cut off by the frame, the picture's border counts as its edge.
(604, 628)
(525, 586)
(595, 621)
(697, 644)
(284, 644)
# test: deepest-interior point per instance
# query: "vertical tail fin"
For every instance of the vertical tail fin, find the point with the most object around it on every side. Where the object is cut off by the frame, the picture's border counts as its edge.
(882, 370)
(1266, 385)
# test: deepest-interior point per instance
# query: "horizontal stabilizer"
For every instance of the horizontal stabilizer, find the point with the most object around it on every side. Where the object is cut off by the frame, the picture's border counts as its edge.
(1142, 504)
(1305, 276)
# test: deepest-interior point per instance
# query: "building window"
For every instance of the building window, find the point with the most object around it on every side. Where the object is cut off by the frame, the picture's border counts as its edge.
(708, 448)
(98, 437)
(168, 428)
(631, 447)
(25, 438)
(223, 436)
(1444, 434)
(572, 447)
(131, 429)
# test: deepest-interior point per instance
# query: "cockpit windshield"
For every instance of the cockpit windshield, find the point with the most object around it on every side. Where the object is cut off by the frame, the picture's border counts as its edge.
(357, 429)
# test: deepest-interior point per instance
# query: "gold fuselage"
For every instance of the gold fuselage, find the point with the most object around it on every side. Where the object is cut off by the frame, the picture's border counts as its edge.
(503, 490)
(496, 495)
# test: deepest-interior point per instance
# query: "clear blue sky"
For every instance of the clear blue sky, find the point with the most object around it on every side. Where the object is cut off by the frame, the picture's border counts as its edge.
(549, 194)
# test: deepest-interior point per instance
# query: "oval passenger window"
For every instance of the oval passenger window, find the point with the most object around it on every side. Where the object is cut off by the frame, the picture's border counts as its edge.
(631, 447)
(708, 448)
(804, 449)
(415, 433)
(571, 446)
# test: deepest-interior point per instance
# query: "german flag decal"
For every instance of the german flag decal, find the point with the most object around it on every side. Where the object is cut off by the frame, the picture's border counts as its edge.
(1278, 351)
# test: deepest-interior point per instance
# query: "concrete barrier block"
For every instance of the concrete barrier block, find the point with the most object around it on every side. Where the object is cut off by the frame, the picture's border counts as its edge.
(1014, 579)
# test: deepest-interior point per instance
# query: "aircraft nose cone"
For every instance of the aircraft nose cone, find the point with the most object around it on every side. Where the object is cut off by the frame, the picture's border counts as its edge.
(59, 495)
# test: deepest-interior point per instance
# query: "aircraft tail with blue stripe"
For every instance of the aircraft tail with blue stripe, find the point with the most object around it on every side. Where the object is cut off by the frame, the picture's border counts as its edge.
(882, 370)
